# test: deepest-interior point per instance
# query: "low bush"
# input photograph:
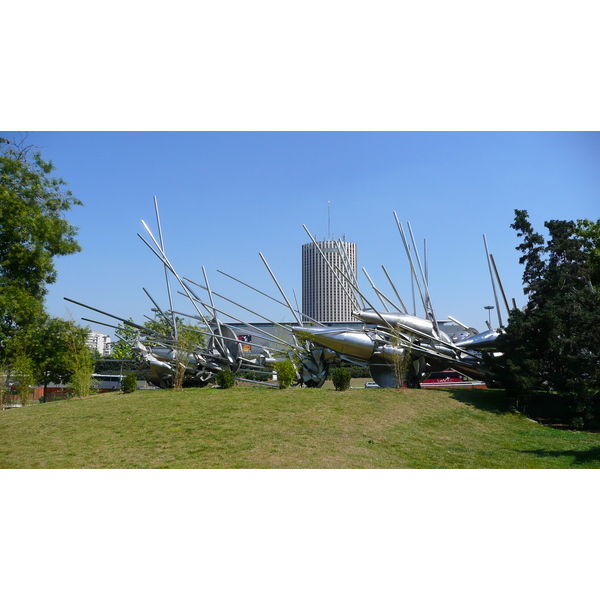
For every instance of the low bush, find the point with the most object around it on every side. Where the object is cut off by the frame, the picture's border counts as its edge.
(341, 379)
(286, 372)
(225, 379)
(128, 384)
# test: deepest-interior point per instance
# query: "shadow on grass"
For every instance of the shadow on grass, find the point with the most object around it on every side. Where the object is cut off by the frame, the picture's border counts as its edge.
(494, 401)
(592, 455)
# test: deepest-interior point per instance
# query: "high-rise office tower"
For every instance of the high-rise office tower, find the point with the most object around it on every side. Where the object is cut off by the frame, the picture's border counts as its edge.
(326, 296)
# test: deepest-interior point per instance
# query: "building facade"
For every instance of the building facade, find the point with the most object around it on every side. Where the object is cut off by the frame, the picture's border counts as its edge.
(326, 296)
(99, 342)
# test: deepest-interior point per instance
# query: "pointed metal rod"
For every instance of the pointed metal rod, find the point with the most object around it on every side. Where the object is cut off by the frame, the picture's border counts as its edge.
(243, 308)
(141, 327)
(157, 244)
(299, 321)
(101, 323)
(458, 322)
(261, 333)
(425, 261)
(265, 335)
(162, 247)
(487, 255)
(345, 259)
(412, 291)
(210, 298)
(267, 296)
(429, 307)
(224, 337)
(382, 295)
(410, 260)
(163, 258)
(347, 265)
(240, 306)
(296, 300)
(379, 295)
(249, 366)
(150, 247)
(367, 301)
(414, 332)
(212, 304)
(437, 341)
(157, 307)
(500, 283)
(429, 350)
(394, 288)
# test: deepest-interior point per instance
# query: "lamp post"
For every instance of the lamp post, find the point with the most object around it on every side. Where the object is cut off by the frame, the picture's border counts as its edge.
(489, 309)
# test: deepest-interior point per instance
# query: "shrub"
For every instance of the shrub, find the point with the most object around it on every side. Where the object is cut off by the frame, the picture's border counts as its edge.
(129, 383)
(225, 379)
(286, 372)
(341, 378)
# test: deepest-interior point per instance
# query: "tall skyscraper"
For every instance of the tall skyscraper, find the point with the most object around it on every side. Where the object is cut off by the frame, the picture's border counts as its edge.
(325, 297)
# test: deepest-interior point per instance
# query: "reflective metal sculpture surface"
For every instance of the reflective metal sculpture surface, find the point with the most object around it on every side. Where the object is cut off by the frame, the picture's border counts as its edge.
(387, 339)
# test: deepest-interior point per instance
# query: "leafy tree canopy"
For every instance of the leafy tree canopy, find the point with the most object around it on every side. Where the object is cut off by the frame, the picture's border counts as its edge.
(33, 231)
(122, 350)
(50, 347)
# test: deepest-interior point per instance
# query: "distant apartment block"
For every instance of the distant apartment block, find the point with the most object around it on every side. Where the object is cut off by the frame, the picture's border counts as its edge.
(99, 342)
(326, 296)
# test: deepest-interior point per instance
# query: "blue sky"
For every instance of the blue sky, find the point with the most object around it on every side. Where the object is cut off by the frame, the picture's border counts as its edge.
(226, 196)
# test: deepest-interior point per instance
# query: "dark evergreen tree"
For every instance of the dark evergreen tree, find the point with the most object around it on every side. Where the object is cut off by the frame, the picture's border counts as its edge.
(554, 343)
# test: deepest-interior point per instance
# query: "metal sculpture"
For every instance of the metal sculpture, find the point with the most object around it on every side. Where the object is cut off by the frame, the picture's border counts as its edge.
(387, 338)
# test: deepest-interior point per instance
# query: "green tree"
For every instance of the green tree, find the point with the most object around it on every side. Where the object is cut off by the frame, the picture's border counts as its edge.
(554, 344)
(33, 231)
(22, 375)
(590, 236)
(49, 347)
(122, 350)
(52, 347)
(80, 362)
(4, 390)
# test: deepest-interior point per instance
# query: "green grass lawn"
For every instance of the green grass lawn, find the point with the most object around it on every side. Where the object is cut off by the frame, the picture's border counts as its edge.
(247, 427)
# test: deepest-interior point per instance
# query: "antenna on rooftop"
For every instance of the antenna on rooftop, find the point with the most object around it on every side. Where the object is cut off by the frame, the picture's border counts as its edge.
(328, 219)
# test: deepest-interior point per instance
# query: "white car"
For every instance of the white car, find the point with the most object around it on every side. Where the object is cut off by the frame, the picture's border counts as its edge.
(371, 384)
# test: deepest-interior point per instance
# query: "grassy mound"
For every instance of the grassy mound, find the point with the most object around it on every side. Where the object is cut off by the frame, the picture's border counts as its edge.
(246, 427)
